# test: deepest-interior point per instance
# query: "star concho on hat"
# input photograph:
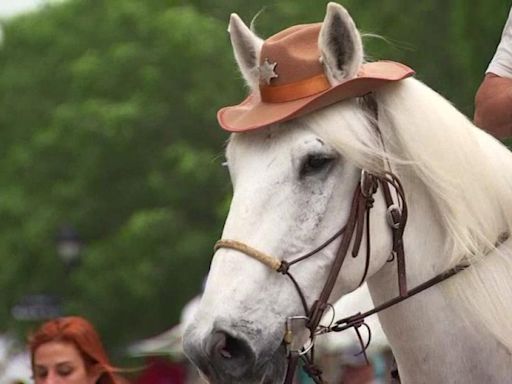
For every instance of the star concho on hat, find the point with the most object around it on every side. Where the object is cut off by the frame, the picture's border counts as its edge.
(267, 72)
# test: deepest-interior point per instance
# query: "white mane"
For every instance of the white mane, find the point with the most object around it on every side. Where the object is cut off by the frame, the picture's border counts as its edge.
(466, 172)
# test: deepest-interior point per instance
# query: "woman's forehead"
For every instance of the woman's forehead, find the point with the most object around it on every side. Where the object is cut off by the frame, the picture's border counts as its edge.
(55, 352)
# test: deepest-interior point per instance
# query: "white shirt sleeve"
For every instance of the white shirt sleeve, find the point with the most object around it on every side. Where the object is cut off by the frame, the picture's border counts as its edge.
(501, 64)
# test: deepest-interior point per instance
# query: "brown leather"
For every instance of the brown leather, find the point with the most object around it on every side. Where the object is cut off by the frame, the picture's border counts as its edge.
(398, 217)
(294, 91)
(362, 202)
(293, 361)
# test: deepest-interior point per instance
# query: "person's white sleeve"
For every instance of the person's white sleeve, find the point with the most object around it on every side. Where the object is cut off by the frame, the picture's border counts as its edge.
(501, 63)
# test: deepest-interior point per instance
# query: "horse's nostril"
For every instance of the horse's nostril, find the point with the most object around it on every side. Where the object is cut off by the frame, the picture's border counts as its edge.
(216, 343)
(226, 346)
(234, 348)
(228, 353)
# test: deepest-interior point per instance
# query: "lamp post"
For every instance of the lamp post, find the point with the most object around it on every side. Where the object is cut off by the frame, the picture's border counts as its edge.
(43, 306)
(69, 246)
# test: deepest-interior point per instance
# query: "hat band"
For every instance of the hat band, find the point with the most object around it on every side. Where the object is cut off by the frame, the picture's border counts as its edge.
(294, 91)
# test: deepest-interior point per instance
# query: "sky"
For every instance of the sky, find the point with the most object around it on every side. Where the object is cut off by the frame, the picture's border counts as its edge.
(13, 7)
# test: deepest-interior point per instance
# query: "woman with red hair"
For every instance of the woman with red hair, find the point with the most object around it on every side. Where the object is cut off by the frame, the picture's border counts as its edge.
(68, 350)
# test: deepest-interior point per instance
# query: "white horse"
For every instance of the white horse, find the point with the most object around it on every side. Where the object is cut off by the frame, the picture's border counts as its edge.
(293, 185)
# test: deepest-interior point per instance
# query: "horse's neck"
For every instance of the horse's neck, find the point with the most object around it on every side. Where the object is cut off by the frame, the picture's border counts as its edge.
(432, 340)
(433, 344)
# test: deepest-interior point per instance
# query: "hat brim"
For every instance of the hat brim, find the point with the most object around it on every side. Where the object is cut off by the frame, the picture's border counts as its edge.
(252, 113)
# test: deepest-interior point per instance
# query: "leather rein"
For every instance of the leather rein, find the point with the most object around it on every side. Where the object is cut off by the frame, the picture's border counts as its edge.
(352, 233)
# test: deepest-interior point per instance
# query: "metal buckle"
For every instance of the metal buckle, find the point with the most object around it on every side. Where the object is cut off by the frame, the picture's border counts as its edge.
(364, 174)
(389, 216)
(371, 188)
(289, 337)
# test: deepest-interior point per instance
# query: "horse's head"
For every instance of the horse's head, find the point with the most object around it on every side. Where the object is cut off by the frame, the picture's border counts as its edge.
(293, 190)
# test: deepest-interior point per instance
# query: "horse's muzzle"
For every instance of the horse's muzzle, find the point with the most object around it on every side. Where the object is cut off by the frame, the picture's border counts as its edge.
(226, 357)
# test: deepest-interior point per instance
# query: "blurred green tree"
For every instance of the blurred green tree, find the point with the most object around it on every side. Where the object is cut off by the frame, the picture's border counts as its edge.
(107, 122)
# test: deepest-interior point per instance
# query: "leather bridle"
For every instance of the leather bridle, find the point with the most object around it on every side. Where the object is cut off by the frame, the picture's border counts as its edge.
(352, 233)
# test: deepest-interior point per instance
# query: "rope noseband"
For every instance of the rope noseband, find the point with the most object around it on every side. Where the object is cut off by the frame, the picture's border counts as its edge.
(269, 261)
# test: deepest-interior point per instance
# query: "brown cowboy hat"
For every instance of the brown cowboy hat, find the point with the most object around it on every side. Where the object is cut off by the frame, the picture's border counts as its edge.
(293, 80)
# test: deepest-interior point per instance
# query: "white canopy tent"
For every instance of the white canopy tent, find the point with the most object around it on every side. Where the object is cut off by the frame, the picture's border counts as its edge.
(14, 364)
(168, 343)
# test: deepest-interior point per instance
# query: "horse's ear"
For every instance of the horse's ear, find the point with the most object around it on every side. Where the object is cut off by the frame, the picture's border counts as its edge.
(247, 47)
(340, 44)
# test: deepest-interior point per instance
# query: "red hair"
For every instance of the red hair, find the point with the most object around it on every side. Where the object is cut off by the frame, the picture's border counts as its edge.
(83, 336)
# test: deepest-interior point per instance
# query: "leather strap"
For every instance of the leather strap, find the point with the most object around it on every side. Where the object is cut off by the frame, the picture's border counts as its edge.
(359, 214)
(397, 219)
(294, 91)
(397, 214)
(356, 214)
(293, 361)
(351, 321)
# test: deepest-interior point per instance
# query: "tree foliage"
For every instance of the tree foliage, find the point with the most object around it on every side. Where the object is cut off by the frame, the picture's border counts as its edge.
(107, 122)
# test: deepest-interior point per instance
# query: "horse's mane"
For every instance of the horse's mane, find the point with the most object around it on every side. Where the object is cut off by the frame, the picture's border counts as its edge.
(466, 172)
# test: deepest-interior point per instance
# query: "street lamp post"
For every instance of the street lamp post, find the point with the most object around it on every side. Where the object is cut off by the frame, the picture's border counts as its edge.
(69, 246)
(42, 306)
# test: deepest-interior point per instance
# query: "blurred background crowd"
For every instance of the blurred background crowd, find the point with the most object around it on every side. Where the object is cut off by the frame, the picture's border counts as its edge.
(112, 191)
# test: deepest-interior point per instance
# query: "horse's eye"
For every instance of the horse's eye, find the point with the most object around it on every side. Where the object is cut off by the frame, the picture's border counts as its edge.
(314, 163)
